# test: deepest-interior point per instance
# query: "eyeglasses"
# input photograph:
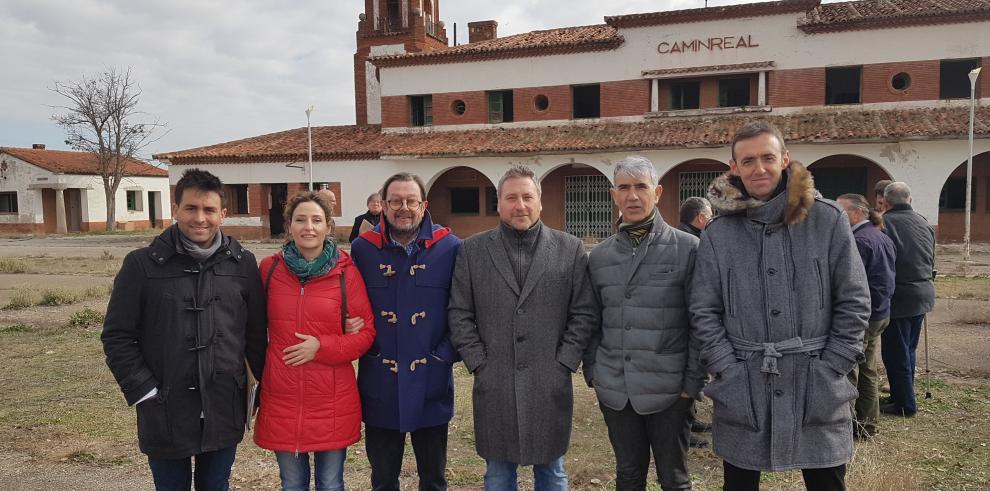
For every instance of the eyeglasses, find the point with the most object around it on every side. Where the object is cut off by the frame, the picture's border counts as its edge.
(411, 204)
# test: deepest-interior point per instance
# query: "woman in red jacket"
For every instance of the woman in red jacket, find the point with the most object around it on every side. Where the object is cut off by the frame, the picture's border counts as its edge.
(309, 396)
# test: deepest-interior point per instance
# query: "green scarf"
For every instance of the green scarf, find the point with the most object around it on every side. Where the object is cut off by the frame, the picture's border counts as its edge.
(639, 229)
(305, 269)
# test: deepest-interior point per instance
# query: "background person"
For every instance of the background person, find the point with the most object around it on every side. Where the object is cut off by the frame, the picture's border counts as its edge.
(309, 395)
(367, 221)
(914, 296)
(878, 189)
(878, 255)
(695, 213)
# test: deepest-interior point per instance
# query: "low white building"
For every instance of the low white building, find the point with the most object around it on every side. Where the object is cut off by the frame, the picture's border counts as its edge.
(56, 191)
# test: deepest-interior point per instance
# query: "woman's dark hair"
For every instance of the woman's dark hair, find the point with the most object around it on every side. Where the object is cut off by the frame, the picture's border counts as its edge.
(859, 202)
(199, 180)
(306, 197)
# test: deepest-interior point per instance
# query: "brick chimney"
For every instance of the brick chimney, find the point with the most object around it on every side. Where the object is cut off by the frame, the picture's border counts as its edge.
(38, 146)
(483, 30)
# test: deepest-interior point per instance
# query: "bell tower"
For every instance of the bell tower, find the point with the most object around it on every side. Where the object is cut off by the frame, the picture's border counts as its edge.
(389, 27)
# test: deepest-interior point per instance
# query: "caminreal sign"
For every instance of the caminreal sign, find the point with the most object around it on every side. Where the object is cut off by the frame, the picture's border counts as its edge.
(710, 44)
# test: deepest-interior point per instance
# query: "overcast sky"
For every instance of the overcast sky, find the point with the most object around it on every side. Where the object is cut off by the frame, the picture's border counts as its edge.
(221, 70)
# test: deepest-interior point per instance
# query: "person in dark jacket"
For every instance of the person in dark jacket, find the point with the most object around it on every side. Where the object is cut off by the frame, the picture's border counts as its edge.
(184, 315)
(695, 213)
(309, 401)
(643, 360)
(914, 296)
(878, 189)
(372, 217)
(521, 314)
(780, 303)
(406, 379)
(878, 254)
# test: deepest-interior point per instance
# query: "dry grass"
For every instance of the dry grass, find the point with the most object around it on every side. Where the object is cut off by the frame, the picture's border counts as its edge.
(23, 298)
(963, 288)
(107, 265)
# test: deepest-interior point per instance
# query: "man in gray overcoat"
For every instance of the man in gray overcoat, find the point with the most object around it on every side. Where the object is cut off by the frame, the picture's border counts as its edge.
(780, 302)
(643, 362)
(521, 312)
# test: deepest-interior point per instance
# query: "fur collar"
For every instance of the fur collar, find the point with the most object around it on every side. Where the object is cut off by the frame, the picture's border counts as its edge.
(728, 196)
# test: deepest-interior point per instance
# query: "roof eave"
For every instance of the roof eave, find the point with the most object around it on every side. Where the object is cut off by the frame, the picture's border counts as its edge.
(438, 58)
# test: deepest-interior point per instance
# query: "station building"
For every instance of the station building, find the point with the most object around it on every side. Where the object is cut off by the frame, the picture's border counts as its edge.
(863, 90)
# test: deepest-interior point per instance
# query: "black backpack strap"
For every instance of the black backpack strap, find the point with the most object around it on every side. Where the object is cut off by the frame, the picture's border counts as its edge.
(343, 302)
(271, 271)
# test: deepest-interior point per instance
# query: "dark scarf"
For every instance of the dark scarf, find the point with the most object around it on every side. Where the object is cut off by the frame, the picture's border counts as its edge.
(305, 269)
(185, 245)
(639, 229)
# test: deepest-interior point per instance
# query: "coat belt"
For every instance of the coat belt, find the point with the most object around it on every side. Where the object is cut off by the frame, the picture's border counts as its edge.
(772, 351)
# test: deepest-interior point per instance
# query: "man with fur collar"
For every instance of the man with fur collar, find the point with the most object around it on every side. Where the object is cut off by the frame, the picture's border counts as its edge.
(780, 303)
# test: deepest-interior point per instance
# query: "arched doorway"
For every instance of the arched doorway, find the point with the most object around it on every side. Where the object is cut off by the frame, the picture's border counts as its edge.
(687, 179)
(952, 203)
(464, 200)
(576, 200)
(836, 175)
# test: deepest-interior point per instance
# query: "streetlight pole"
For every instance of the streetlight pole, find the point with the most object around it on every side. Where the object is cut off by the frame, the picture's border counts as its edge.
(973, 75)
(309, 141)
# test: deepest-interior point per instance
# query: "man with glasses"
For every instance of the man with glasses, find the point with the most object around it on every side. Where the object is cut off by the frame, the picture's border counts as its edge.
(406, 378)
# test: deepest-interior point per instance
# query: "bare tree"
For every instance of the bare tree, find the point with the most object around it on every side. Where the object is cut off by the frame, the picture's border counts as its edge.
(101, 117)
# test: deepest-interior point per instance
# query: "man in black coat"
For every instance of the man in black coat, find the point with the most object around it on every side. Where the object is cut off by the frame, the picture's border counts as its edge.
(184, 315)
(695, 213)
(914, 296)
(373, 216)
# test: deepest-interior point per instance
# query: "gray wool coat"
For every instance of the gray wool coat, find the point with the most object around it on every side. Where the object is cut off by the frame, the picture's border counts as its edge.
(644, 353)
(522, 342)
(780, 302)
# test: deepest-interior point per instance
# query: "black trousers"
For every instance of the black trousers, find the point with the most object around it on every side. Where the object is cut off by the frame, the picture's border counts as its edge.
(827, 479)
(385, 448)
(634, 435)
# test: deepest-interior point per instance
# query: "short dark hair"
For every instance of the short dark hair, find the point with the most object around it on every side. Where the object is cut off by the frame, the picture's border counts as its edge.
(404, 177)
(692, 207)
(200, 180)
(880, 186)
(757, 128)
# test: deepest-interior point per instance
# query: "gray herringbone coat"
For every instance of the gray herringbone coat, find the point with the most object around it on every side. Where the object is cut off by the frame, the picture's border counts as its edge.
(767, 275)
(522, 342)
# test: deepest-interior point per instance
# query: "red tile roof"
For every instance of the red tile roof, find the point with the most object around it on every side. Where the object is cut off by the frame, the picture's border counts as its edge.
(823, 126)
(329, 143)
(79, 163)
(710, 13)
(739, 67)
(879, 14)
(537, 43)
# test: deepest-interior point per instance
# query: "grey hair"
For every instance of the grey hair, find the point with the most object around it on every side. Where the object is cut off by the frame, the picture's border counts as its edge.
(692, 207)
(635, 166)
(519, 171)
(897, 193)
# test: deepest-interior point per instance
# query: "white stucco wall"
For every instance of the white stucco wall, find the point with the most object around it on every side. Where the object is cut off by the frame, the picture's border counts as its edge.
(924, 165)
(778, 38)
(18, 176)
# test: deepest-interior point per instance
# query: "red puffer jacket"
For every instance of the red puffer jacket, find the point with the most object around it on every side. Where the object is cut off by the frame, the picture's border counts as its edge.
(314, 406)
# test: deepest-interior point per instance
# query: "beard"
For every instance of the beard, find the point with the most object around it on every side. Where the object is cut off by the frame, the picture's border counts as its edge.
(404, 231)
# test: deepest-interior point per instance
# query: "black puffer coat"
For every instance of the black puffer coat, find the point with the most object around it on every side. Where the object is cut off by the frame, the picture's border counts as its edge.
(186, 329)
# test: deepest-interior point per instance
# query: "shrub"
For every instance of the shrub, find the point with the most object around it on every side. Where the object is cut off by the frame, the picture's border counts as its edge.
(23, 298)
(57, 296)
(86, 318)
(12, 265)
(15, 328)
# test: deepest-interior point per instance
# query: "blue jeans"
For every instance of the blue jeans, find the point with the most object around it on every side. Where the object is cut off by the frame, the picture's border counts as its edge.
(501, 476)
(212, 471)
(898, 345)
(293, 469)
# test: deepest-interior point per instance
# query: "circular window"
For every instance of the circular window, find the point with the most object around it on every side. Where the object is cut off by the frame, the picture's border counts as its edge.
(458, 107)
(541, 102)
(900, 82)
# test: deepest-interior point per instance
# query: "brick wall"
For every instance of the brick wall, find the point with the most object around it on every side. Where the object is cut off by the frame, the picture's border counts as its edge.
(475, 104)
(924, 81)
(463, 225)
(625, 98)
(395, 111)
(553, 195)
(558, 95)
(791, 88)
